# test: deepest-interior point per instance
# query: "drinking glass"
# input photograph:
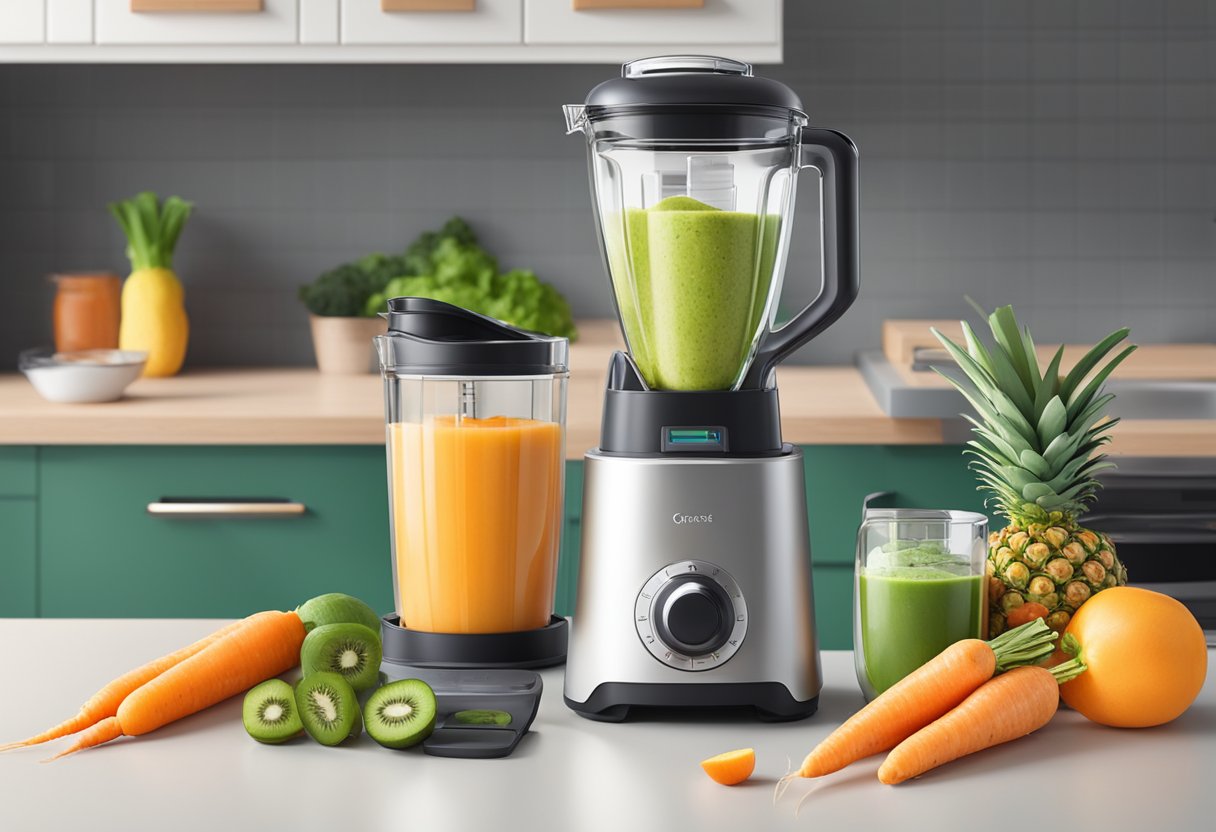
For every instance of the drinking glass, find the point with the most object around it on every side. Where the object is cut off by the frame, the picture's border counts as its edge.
(919, 587)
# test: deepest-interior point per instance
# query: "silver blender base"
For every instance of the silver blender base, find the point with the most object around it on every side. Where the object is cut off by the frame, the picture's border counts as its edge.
(738, 522)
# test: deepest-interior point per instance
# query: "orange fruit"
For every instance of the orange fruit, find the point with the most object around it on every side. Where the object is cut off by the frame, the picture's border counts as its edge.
(1146, 658)
(732, 767)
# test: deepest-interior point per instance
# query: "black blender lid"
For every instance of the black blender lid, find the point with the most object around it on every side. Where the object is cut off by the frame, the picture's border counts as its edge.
(430, 337)
(698, 80)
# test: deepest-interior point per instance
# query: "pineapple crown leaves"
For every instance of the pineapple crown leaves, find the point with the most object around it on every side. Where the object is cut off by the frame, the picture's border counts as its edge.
(1037, 431)
(151, 228)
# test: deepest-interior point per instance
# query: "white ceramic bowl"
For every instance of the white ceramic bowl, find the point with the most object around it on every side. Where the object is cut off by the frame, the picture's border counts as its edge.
(85, 376)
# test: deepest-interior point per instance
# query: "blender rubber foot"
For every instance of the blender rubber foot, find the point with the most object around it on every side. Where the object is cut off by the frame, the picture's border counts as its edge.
(613, 713)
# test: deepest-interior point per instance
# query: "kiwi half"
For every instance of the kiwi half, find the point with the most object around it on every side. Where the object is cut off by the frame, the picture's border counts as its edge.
(337, 608)
(327, 705)
(351, 650)
(269, 712)
(400, 714)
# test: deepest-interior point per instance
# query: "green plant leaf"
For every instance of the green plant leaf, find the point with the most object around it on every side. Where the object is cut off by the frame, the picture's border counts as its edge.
(1079, 401)
(1089, 361)
(1052, 422)
(1005, 330)
(1034, 463)
(1049, 384)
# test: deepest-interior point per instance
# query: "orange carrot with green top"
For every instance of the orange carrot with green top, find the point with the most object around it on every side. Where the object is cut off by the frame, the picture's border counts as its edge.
(1009, 706)
(267, 645)
(105, 702)
(926, 694)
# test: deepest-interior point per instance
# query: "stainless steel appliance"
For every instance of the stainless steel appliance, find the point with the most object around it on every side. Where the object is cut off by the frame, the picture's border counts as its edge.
(695, 584)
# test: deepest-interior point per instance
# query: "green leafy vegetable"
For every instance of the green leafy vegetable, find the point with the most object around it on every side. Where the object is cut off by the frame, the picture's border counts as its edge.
(446, 265)
(151, 228)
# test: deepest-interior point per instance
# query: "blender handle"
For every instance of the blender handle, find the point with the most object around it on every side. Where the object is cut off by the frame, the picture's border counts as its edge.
(835, 156)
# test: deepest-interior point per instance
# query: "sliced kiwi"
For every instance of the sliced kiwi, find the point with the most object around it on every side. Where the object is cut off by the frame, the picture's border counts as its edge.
(400, 714)
(270, 714)
(480, 717)
(356, 730)
(349, 649)
(327, 706)
(336, 608)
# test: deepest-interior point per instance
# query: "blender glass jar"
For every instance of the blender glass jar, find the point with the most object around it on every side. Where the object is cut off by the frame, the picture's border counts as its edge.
(693, 164)
(476, 457)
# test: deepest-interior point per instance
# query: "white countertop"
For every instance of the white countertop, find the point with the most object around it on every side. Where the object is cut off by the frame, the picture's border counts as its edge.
(204, 773)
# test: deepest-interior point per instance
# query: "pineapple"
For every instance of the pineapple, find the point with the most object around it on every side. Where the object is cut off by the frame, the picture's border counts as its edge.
(1034, 451)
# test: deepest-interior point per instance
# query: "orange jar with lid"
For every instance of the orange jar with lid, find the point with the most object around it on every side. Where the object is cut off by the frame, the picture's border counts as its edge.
(86, 312)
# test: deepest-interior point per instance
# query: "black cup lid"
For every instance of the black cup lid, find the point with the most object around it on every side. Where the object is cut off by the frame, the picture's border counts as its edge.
(678, 80)
(430, 337)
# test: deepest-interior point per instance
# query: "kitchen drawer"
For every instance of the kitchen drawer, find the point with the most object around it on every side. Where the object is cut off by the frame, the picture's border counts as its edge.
(490, 21)
(718, 21)
(22, 21)
(18, 471)
(274, 24)
(104, 555)
(18, 558)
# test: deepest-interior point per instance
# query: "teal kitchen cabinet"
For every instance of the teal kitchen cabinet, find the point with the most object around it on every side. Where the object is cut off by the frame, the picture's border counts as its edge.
(18, 532)
(103, 555)
(86, 546)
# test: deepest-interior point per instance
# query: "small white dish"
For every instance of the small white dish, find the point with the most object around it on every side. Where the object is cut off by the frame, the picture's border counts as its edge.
(83, 376)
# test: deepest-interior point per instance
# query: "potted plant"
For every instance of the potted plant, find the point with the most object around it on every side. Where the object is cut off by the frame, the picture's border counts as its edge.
(342, 328)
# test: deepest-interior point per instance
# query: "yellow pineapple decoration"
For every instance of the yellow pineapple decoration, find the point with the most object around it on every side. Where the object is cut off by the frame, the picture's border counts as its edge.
(153, 304)
(1034, 451)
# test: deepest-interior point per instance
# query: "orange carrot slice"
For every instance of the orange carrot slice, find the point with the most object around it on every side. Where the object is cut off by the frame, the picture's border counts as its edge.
(731, 768)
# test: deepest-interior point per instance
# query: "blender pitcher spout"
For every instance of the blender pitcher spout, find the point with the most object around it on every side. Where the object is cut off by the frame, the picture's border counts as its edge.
(576, 118)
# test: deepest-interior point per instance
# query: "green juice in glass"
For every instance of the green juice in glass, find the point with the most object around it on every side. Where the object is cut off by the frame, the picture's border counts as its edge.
(915, 600)
(691, 284)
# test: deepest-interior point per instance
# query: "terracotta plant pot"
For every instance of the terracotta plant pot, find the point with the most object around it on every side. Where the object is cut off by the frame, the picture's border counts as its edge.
(343, 346)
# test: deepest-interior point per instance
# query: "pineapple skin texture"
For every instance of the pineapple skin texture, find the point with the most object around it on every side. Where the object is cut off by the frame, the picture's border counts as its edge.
(1057, 564)
(154, 320)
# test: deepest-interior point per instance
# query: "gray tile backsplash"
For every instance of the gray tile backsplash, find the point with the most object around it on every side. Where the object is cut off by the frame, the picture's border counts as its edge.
(1060, 154)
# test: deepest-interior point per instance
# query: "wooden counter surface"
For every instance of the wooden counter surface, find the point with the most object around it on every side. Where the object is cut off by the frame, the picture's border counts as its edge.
(297, 406)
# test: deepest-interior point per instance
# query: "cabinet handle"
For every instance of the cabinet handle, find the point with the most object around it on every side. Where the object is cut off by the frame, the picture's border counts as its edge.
(428, 5)
(587, 5)
(233, 507)
(144, 6)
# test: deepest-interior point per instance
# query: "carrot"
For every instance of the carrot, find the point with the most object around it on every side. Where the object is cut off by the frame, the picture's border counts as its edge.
(926, 694)
(1012, 705)
(105, 702)
(1029, 611)
(267, 645)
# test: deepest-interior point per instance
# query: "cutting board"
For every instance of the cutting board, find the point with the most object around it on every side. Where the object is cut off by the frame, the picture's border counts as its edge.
(901, 337)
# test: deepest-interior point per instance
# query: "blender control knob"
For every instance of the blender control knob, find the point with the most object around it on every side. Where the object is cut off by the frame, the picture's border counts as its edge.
(695, 615)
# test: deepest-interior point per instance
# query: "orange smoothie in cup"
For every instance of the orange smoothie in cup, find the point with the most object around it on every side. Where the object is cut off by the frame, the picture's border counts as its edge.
(476, 522)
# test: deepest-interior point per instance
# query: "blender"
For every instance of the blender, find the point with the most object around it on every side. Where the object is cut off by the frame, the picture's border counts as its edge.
(695, 585)
(475, 412)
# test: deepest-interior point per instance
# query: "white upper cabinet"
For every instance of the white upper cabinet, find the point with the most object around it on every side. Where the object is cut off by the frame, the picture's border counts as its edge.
(191, 22)
(69, 21)
(652, 21)
(385, 31)
(426, 22)
(22, 21)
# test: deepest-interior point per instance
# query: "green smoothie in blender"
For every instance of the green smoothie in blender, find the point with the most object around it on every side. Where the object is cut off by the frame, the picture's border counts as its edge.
(691, 283)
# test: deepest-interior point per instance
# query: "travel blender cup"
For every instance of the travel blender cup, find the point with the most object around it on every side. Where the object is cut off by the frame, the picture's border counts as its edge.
(475, 413)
